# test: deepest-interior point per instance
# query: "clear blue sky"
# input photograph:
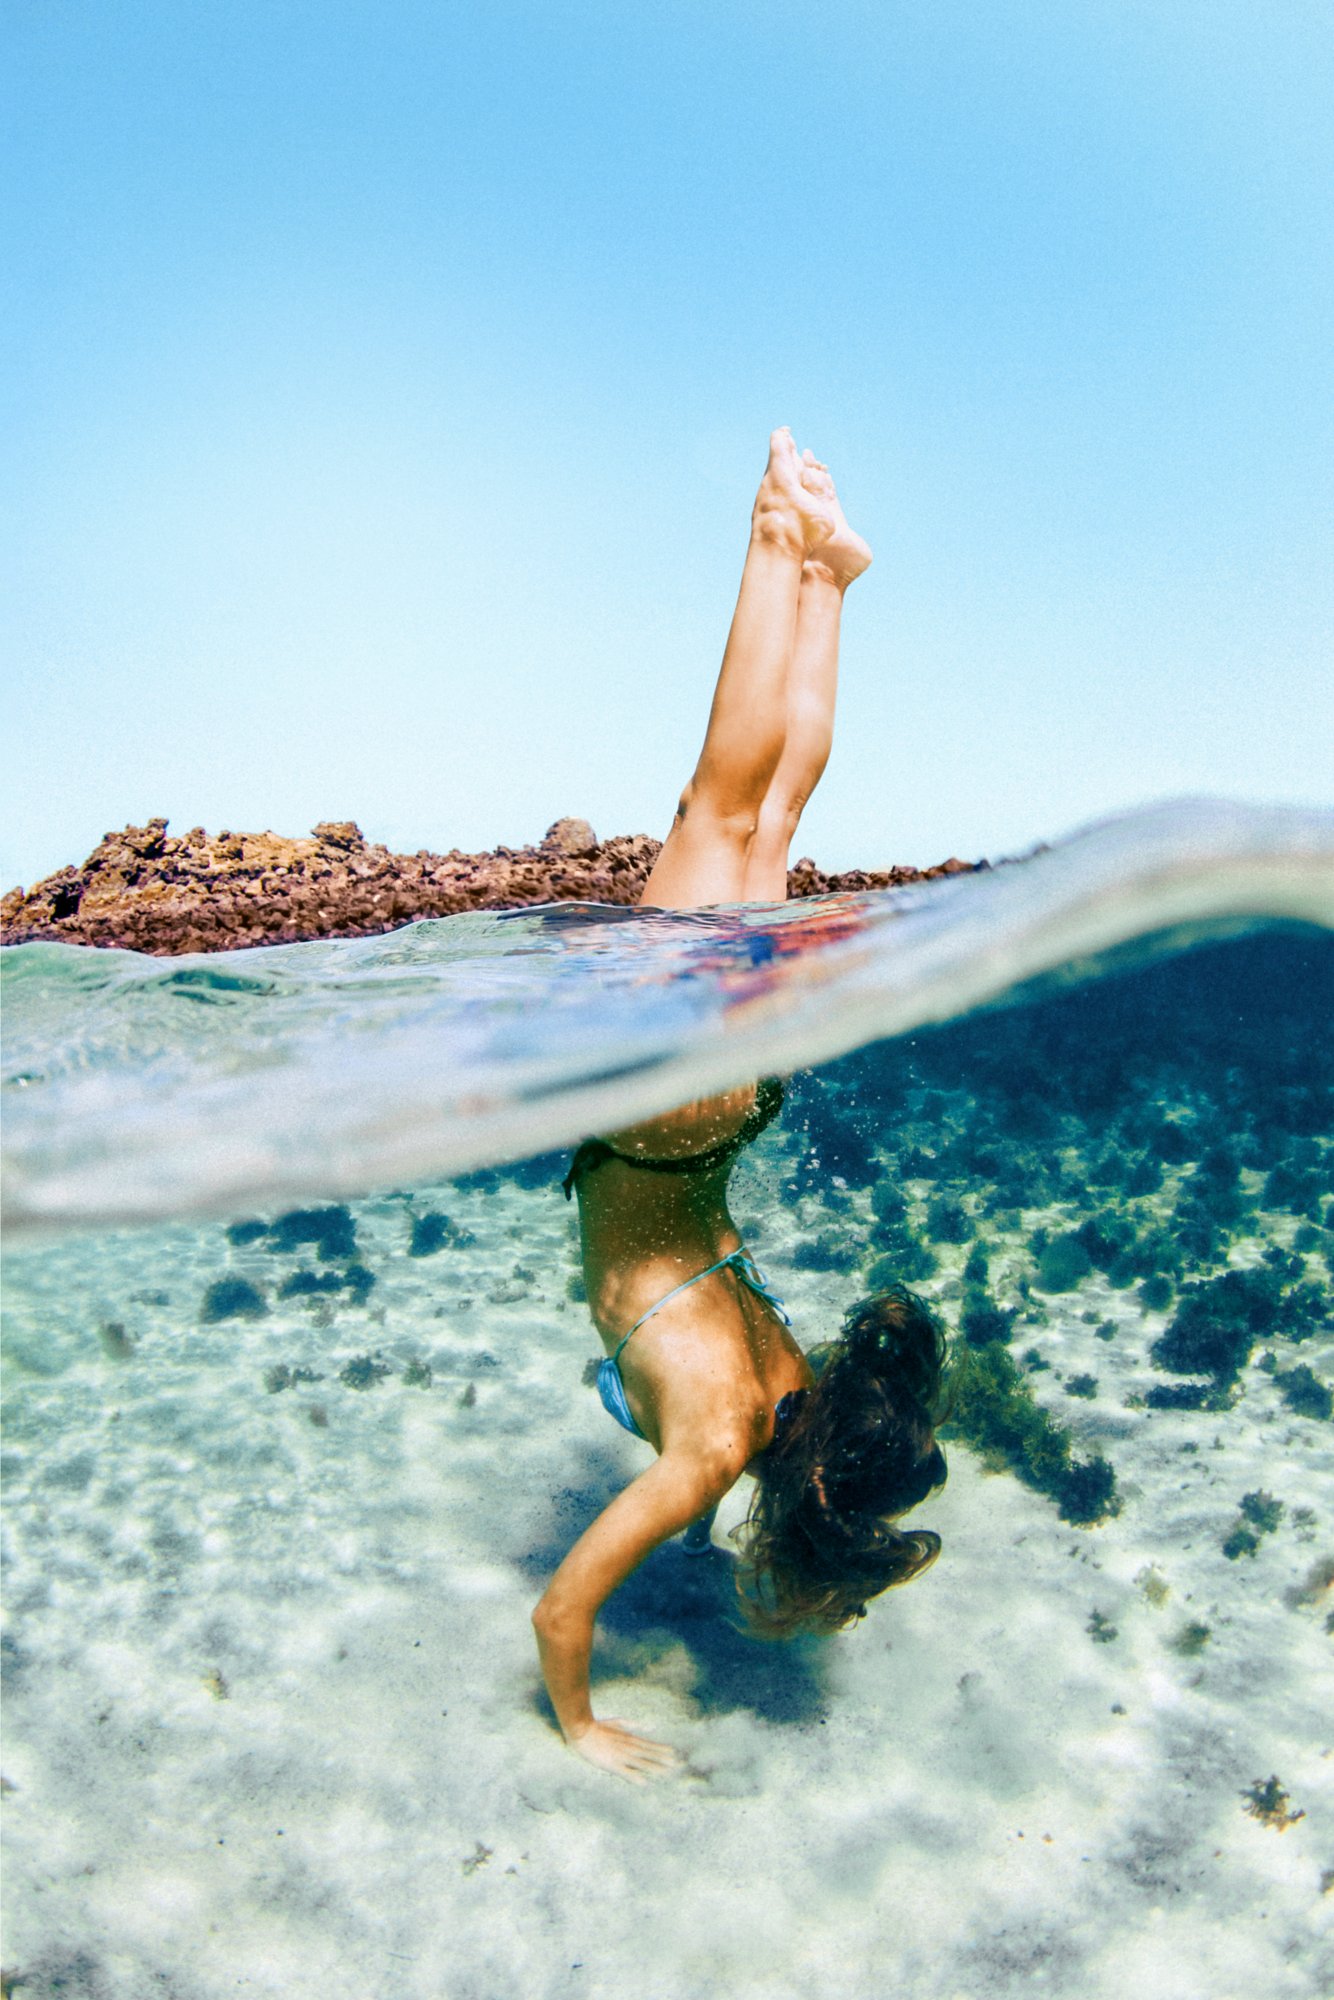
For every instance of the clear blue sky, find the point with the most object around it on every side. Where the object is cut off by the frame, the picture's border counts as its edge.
(386, 387)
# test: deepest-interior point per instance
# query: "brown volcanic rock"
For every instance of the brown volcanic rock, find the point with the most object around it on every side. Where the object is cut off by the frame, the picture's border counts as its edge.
(143, 890)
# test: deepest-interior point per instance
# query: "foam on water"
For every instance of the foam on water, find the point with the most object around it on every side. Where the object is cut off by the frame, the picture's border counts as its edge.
(137, 1089)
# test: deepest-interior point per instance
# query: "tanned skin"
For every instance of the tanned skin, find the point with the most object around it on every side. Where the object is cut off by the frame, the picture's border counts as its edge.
(702, 1376)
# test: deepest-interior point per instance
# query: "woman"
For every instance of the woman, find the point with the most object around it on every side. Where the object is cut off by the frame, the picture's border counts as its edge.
(700, 1360)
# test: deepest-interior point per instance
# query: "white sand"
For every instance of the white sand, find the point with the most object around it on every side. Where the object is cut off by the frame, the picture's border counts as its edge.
(274, 1723)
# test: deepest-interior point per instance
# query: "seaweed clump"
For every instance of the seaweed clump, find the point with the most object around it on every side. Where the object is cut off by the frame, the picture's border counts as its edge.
(363, 1371)
(907, 1263)
(432, 1231)
(232, 1298)
(355, 1280)
(1260, 1515)
(903, 1258)
(825, 1252)
(1268, 1802)
(417, 1374)
(282, 1377)
(239, 1233)
(1262, 1510)
(977, 1268)
(331, 1230)
(948, 1221)
(1217, 1323)
(982, 1321)
(1211, 1207)
(1188, 1396)
(306, 1284)
(1304, 1310)
(995, 1412)
(1063, 1261)
(1301, 1389)
(1219, 1320)
(1294, 1184)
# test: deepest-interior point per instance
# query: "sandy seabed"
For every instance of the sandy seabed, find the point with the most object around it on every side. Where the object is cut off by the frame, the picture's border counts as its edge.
(274, 1723)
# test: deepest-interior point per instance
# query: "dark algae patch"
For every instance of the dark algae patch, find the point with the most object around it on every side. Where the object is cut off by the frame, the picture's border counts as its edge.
(1063, 1263)
(115, 1342)
(1262, 1510)
(232, 1298)
(241, 1233)
(299, 1284)
(982, 1321)
(1218, 1323)
(1267, 1801)
(331, 1230)
(280, 1377)
(947, 1221)
(357, 1281)
(363, 1371)
(432, 1231)
(994, 1410)
(1300, 1387)
(1260, 1515)
(1156, 1143)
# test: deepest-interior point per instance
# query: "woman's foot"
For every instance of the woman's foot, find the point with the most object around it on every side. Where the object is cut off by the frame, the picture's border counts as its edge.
(843, 557)
(788, 511)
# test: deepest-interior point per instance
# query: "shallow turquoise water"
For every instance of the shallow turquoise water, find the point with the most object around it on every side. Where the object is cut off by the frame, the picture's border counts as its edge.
(287, 1463)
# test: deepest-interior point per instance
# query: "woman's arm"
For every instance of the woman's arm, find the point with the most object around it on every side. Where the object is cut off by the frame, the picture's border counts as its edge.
(673, 1492)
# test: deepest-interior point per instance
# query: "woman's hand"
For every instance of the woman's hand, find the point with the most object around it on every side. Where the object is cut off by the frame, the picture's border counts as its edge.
(612, 1747)
(675, 1490)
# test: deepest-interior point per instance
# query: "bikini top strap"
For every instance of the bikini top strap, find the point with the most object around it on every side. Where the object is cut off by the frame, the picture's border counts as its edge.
(750, 1274)
(745, 1269)
(684, 1286)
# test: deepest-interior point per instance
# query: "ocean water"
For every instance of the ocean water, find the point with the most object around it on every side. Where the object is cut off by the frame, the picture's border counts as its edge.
(298, 1424)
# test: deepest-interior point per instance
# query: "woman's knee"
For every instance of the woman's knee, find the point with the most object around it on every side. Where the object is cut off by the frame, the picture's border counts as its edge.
(779, 817)
(724, 813)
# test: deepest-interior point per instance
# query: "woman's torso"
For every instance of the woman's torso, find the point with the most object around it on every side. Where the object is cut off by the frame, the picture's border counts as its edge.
(644, 1232)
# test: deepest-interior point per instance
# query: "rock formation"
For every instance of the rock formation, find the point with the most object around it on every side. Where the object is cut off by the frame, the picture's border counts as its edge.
(145, 890)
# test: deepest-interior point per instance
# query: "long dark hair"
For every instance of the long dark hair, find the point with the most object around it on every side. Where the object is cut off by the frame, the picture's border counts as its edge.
(856, 1451)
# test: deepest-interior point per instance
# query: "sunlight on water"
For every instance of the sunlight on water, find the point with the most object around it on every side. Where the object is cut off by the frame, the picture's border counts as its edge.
(284, 1479)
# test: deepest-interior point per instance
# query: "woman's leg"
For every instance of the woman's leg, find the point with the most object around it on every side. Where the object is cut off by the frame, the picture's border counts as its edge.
(704, 857)
(812, 693)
